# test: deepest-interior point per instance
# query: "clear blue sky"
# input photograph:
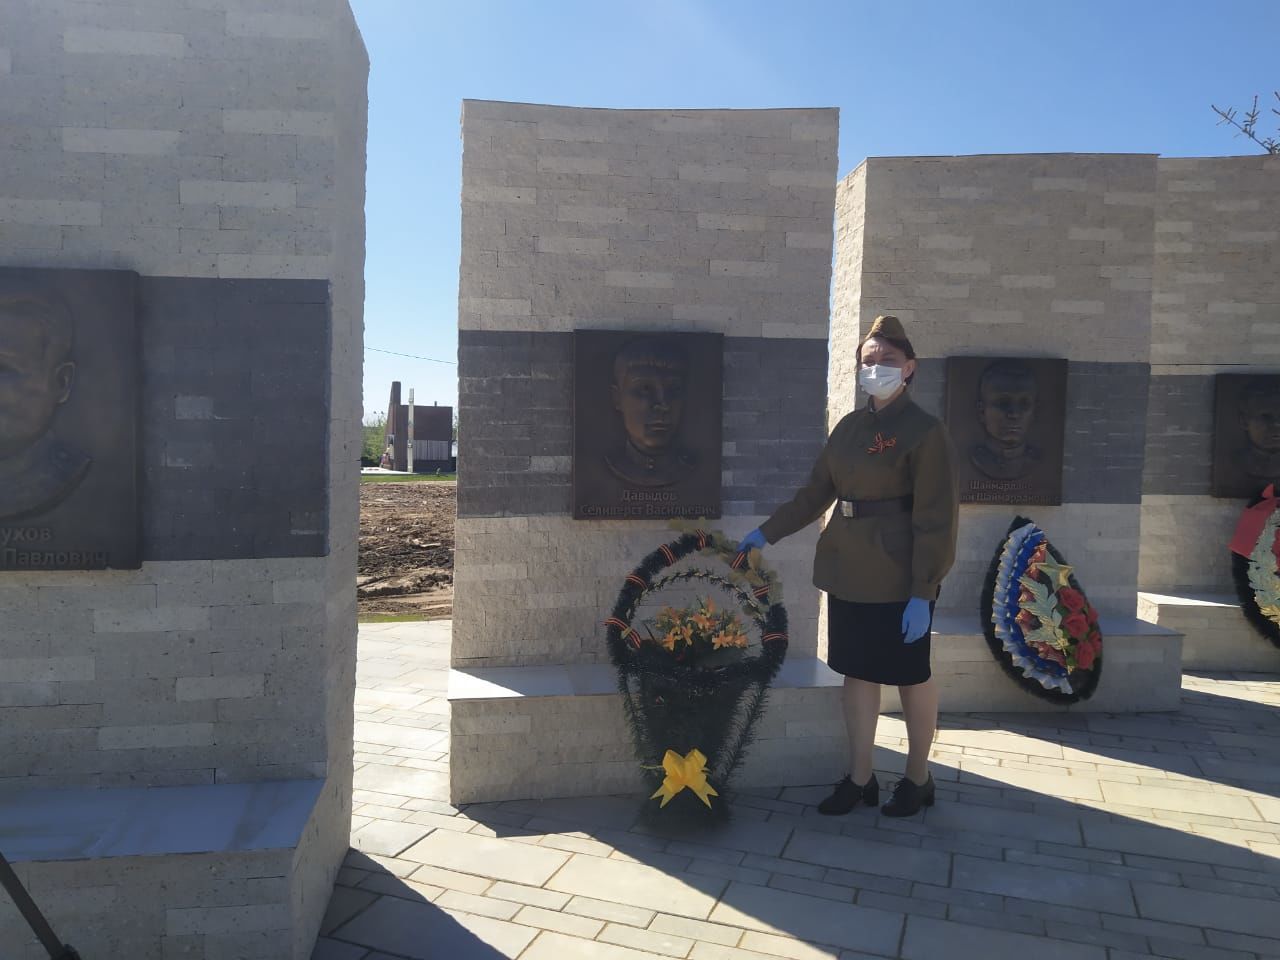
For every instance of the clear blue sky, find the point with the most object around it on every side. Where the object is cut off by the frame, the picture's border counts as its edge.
(910, 78)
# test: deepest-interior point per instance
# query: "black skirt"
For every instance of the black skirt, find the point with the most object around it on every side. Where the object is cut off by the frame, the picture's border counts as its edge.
(864, 641)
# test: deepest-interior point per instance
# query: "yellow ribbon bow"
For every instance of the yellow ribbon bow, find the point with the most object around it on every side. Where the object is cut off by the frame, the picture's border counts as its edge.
(687, 771)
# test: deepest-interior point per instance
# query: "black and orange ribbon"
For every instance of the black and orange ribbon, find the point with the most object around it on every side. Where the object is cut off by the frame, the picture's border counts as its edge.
(882, 443)
(628, 633)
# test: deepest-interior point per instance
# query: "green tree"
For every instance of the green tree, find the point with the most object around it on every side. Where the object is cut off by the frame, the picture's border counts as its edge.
(375, 432)
(1249, 125)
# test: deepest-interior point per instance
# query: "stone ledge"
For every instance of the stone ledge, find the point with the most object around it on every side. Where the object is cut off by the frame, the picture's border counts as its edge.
(961, 659)
(1217, 635)
(223, 869)
(75, 824)
(558, 731)
(596, 679)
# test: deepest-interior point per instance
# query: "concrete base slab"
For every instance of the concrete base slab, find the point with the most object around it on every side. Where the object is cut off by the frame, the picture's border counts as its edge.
(1141, 670)
(540, 732)
(238, 870)
(1217, 635)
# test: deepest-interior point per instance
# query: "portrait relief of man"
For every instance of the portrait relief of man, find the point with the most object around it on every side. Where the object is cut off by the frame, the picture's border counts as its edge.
(1007, 417)
(647, 419)
(1259, 418)
(38, 470)
(1246, 434)
(649, 389)
(1006, 408)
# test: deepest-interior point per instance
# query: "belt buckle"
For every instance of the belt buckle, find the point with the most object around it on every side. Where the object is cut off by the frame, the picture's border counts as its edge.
(848, 509)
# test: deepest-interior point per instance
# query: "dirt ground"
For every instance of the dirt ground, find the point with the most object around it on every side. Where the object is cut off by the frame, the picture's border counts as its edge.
(406, 549)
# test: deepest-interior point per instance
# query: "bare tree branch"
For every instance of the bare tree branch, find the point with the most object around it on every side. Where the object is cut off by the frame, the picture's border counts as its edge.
(1248, 127)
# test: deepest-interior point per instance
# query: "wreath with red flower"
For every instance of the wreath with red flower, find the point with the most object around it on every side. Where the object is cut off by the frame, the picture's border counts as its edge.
(1255, 564)
(1038, 623)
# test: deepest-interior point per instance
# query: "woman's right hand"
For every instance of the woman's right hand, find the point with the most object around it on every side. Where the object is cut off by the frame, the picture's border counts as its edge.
(753, 541)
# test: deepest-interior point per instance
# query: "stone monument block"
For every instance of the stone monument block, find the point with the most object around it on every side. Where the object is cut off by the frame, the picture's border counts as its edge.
(702, 226)
(1020, 257)
(176, 720)
(1215, 289)
(1023, 257)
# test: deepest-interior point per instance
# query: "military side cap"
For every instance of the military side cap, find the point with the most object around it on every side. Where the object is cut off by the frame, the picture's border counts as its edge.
(888, 327)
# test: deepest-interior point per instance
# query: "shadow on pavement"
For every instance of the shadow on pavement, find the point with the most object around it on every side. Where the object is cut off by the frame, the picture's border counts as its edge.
(404, 923)
(1021, 869)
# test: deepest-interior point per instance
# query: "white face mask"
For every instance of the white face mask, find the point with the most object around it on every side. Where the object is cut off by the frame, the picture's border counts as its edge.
(880, 381)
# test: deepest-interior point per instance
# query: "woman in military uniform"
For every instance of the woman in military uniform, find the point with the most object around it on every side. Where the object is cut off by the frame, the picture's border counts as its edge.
(881, 560)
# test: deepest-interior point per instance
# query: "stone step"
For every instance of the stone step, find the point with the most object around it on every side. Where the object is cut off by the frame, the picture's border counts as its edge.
(1141, 669)
(211, 862)
(526, 732)
(1217, 637)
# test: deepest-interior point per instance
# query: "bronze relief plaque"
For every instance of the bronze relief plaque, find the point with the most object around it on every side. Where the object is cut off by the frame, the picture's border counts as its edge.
(646, 424)
(68, 420)
(1007, 419)
(1246, 434)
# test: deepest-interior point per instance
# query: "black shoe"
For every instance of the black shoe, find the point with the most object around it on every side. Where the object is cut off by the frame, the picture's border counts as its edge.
(909, 797)
(848, 795)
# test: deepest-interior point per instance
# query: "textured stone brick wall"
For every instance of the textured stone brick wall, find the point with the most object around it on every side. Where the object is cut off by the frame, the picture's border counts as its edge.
(199, 905)
(1038, 254)
(1024, 255)
(214, 126)
(1217, 260)
(1215, 309)
(182, 672)
(204, 145)
(710, 220)
(846, 294)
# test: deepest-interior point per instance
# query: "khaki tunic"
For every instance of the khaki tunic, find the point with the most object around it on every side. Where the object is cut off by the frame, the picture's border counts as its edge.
(898, 451)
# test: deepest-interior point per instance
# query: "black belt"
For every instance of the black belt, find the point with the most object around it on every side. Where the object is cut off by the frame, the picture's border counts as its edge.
(857, 509)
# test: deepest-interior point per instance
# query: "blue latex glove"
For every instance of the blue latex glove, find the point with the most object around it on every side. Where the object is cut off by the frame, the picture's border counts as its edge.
(915, 620)
(753, 541)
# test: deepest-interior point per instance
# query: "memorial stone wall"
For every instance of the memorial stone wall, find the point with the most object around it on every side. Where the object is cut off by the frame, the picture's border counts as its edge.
(1022, 256)
(715, 221)
(1040, 292)
(579, 225)
(1215, 310)
(210, 155)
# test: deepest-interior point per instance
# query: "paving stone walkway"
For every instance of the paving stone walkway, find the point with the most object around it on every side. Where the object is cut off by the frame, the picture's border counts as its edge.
(1057, 837)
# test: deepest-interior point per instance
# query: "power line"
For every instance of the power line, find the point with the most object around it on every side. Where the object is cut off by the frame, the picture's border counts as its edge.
(412, 356)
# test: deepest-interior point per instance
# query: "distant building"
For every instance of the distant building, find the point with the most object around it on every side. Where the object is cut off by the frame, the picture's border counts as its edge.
(432, 435)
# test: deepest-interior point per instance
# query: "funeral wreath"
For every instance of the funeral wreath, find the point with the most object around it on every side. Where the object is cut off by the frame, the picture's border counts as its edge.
(694, 679)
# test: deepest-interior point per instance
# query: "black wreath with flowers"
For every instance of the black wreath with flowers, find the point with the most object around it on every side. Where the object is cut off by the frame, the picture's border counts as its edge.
(679, 708)
(1040, 626)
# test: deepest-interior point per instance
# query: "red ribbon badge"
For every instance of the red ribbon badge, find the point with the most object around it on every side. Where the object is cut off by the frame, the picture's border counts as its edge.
(881, 444)
(1254, 518)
